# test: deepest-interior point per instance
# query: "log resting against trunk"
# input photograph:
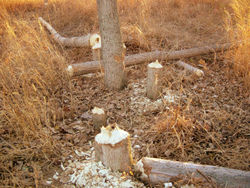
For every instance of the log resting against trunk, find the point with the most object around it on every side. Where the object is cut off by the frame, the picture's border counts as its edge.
(94, 66)
(157, 171)
(83, 41)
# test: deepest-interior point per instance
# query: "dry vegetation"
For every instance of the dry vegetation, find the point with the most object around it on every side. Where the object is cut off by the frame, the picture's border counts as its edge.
(39, 103)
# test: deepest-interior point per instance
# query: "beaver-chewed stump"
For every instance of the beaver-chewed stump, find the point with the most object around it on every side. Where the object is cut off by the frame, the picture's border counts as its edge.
(99, 118)
(154, 80)
(113, 148)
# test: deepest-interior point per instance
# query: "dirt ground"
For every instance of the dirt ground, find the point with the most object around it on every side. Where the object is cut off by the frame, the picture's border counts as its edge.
(198, 119)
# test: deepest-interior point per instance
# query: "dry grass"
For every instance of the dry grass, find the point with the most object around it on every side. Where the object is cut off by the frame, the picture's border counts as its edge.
(33, 91)
(238, 27)
(36, 94)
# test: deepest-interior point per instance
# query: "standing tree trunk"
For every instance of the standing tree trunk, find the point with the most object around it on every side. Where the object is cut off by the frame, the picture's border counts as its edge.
(112, 52)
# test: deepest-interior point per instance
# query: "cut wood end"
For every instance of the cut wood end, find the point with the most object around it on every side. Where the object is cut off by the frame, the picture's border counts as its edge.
(199, 73)
(70, 70)
(155, 64)
(139, 167)
(97, 110)
(94, 40)
(111, 134)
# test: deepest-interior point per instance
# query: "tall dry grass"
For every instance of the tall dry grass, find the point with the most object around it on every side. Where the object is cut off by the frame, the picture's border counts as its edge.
(238, 28)
(34, 91)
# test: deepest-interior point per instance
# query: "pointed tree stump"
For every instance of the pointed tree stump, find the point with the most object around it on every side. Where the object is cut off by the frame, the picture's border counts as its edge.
(153, 80)
(99, 118)
(113, 148)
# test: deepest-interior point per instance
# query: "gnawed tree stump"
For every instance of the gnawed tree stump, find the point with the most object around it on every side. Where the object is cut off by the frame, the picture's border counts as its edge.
(153, 80)
(190, 68)
(99, 118)
(83, 41)
(113, 148)
(156, 171)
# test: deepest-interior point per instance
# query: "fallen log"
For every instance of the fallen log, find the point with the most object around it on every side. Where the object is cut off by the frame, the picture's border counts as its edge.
(190, 68)
(157, 171)
(94, 66)
(83, 41)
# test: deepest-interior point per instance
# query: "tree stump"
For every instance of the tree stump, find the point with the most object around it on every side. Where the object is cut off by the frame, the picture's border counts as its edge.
(99, 118)
(153, 80)
(113, 148)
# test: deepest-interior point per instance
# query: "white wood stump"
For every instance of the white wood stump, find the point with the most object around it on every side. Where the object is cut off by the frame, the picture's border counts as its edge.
(153, 80)
(113, 148)
(99, 118)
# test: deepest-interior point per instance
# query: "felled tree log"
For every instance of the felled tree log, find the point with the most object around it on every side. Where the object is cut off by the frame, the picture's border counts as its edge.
(154, 80)
(83, 41)
(160, 171)
(93, 66)
(113, 148)
(190, 68)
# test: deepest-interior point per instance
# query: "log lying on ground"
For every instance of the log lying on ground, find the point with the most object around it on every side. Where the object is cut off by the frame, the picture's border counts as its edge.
(157, 171)
(113, 148)
(94, 66)
(83, 41)
(190, 68)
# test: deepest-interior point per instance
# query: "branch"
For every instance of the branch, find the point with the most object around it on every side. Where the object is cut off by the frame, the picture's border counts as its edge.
(83, 41)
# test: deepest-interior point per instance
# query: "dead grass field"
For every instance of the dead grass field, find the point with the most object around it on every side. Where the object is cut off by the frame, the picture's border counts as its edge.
(207, 121)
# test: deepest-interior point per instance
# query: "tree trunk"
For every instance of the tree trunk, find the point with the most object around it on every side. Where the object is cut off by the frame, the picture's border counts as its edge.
(112, 53)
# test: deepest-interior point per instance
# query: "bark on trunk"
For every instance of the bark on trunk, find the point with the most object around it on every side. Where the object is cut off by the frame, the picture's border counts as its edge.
(160, 171)
(83, 41)
(112, 49)
(94, 66)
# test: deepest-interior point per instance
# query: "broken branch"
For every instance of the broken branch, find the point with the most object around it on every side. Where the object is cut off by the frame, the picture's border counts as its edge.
(83, 41)
(190, 68)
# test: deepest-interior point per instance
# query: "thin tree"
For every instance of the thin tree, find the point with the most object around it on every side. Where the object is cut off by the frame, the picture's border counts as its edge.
(112, 52)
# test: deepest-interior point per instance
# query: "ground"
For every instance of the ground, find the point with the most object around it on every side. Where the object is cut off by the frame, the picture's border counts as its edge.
(198, 119)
